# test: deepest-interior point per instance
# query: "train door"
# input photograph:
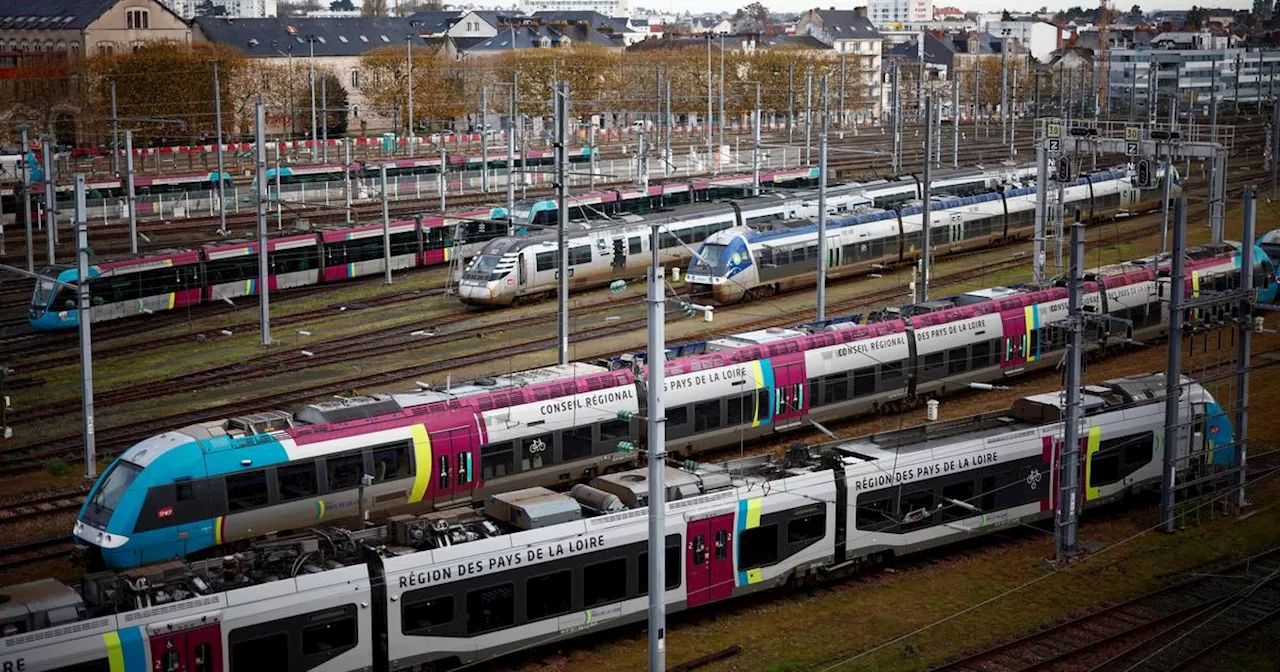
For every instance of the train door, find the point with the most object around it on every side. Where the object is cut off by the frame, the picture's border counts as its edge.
(522, 273)
(957, 227)
(198, 649)
(835, 253)
(454, 470)
(619, 255)
(1015, 339)
(709, 559)
(789, 404)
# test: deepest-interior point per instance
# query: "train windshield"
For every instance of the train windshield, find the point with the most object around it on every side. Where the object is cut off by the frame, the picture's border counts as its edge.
(45, 287)
(114, 484)
(706, 260)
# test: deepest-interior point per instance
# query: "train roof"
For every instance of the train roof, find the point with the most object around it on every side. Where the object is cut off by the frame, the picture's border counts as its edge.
(759, 337)
(1026, 413)
(359, 408)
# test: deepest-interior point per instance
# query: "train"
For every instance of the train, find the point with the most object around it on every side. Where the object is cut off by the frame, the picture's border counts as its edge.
(534, 566)
(219, 483)
(516, 269)
(747, 261)
(163, 281)
(177, 183)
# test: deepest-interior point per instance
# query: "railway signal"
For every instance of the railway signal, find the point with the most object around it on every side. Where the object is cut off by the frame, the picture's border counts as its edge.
(1062, 171)
(1144, 175)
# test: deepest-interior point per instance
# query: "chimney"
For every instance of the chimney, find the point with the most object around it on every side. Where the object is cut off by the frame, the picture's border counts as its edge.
(860, 11)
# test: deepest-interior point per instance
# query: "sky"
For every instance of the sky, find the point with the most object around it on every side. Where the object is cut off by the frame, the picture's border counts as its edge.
(791, 6)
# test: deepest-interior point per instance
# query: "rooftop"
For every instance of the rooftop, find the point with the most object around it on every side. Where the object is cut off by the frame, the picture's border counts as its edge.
(280, 38)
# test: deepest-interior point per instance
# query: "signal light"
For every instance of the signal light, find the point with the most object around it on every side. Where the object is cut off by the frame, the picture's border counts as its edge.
(1164, 135)
(1082, 132)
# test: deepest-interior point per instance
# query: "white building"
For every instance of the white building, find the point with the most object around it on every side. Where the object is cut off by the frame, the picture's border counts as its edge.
(239, 9)
(886, 12)
(609, 8)
(1038, 37)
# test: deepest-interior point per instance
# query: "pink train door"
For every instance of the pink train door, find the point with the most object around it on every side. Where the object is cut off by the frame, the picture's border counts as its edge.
(790, 403)
(1015, 337)
(709, 559)
(453, 474)
(196, 649)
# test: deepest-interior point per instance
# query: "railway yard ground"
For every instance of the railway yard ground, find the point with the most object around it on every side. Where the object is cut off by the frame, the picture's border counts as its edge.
(164, 371)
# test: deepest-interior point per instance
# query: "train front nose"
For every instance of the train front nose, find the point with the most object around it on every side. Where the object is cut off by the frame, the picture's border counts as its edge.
(93, 546)
(479, 292)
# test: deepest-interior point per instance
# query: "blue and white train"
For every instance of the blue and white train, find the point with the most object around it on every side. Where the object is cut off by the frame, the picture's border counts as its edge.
(752, 260)
(450, 589)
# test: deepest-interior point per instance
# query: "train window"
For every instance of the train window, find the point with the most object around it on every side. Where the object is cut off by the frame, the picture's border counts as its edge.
(807, 529)
(496, 460)
(391, 462)
(957, 360)
(576, 443)
(233, 269)
(835, 388)
(981, 354)
(268, 652)
(296, 481)
(444, 472)
(674, 564)
(875, 512)
(419, 616)
(1117, 458)
(917, 510)
(677, 416)
(721, 544)
(464, 468)
(580, 255)
(404, 243)
(203, 660)
(956, 492)
(534, 451)
(490, 608)
(706, 415)
(987, 493)
(547, 261)
(634, 245)
(335, 632)
(864, 382)
(548, 595)
(891, 374)
(757, 547)
(99, 665)
(604, 582)
(295, 260)
(932, 366)
(344, 470)
(246, 491)
(734, 407)
(184, 490)
(614, 430)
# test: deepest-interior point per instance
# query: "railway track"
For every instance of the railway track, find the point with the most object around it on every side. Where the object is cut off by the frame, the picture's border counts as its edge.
(43, 505)
(1170, 628)
(28, 345)
(35, 550)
